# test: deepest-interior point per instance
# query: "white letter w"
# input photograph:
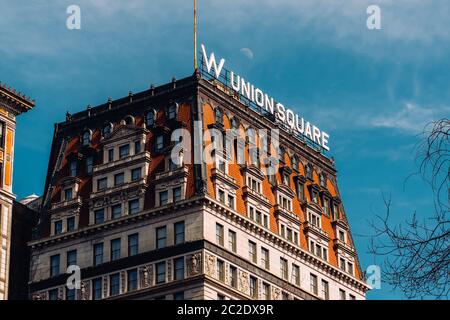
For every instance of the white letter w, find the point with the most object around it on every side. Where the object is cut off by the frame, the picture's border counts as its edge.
(212, 61)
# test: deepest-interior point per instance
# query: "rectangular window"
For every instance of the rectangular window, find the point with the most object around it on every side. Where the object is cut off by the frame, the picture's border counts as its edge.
(163, 198)
(133, 244)
(232, 240)
(233, 276)
(116, 211)
(114, 284)
(2, 134)
(159, 142)
(119, 179)
(352, 297)
(179, 268)
(176, 194)
(230, 201)
(178, 295)
(98, 254)
(160, 272)
(350, 268)
(99, 216)
(296, 274)
(252, 252)
(253, 287)
(301, 191)
(110, 155)
(133, 206)
(342, 294)
(325, 290)
(342, 264)
(54, 265)
(124, 151)
(220, 296)
(219, 234)
(161, 237)
(341, 236)
(70, 294)
(136, 174)
(102, 184)
(266, 291)
(284, 268)
(313, 283)
(97, 285)
(68, 194)
(72, 258)
(179, 232)
(220, 270)
(53, 295)
(265, 262)
(132, 280)
(221, 195)
(89, 164)
(137, 147)
(58, 227)
(70, 224)
(73, 168)
(115, 249)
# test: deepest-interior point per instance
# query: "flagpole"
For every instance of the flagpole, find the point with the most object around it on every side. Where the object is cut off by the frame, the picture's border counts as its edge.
(195, 36)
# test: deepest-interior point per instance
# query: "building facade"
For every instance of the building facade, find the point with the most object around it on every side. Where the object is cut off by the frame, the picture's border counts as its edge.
(12, 104)
(141, 225)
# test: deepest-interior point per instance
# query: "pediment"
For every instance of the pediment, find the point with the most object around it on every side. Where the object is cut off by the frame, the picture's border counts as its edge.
(124, 131)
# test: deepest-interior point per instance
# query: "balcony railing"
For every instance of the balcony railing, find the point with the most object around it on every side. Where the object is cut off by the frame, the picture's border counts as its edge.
(136, 158)
(310, 228)
(119, 188)
(69, 203)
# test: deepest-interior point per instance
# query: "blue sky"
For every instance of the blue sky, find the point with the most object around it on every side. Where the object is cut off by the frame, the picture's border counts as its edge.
(373, 91)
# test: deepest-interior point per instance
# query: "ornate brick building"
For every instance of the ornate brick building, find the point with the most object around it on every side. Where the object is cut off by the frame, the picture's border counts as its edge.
(12, 104)
(141, 226)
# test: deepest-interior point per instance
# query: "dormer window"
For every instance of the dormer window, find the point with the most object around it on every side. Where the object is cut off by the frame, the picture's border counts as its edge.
(286, 179)
(129, 120)
(73, 168)
(68, 194)
(326, 206)
(251, 136)
(89, 164)
(172, 111)
(107, 129)
(218, 115)
(294, 163)
(314, 219)
(150, 118)
(322, 180)
(234, 123)
(335, 211)
(159, 142)
(86, 138)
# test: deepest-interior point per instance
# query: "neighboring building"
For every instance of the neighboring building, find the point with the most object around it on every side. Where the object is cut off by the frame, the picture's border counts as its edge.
(142, 227)
(24, 220)
(12, 104)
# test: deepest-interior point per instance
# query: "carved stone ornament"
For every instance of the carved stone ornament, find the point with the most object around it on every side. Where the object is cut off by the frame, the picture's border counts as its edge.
(276, 294)
(194, 264)
(146, 276)
(84, 291)
(243, 281)
(210, 265)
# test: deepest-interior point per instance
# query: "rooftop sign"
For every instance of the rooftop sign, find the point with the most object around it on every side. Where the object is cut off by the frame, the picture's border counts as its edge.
(282, 114)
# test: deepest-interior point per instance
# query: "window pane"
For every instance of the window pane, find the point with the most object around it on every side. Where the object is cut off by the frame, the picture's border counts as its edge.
(98, 254)
(161, 234)
(133, 206)
(179, 232)
(132, 280)
(133, 244)
(115, 249)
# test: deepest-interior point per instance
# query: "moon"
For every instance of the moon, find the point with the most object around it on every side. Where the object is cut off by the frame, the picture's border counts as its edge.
(247, 53)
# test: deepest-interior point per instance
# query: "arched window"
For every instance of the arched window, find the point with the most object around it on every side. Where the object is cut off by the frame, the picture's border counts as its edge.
(234, 123)
(218, 115)
(294, 163)
(107, 129)
(308, 172)
(150, 118)
(129, 120)
(86, 138)
(251, 136)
